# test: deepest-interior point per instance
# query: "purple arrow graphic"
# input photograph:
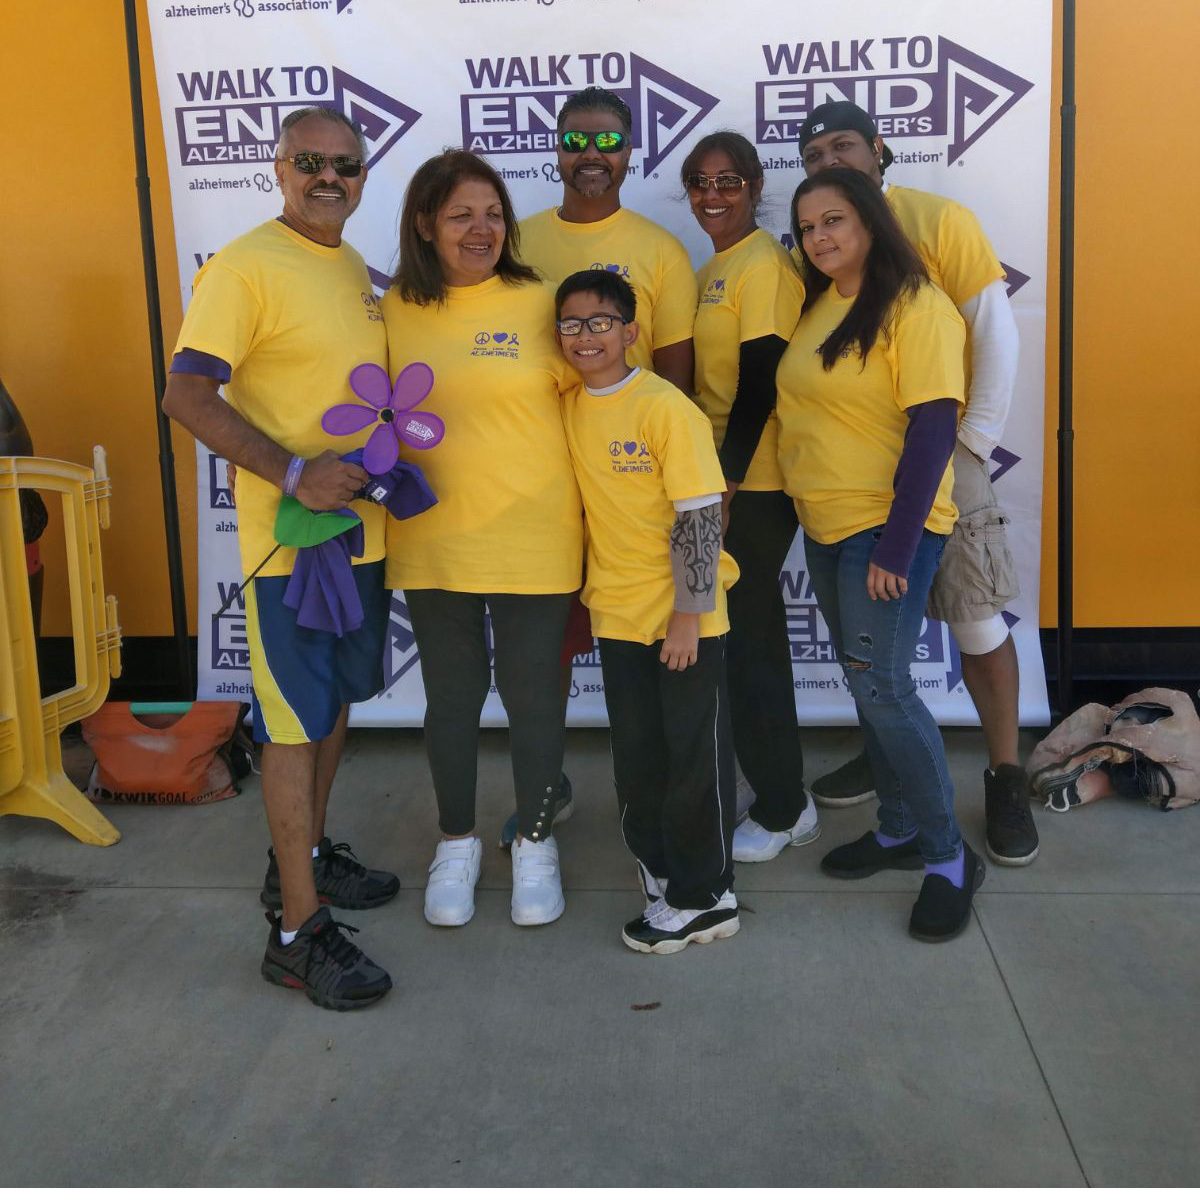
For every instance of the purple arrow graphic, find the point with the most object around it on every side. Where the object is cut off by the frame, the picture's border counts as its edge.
(1005, 459)
(384, 119)
(663, 104)
(1014, 280)
(379, 280)
(977, 88)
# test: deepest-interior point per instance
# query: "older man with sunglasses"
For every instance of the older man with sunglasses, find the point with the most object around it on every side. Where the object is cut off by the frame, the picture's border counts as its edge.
(281, 316)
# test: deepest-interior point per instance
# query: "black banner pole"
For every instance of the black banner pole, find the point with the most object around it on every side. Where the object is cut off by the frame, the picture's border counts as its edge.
(1066, 343)
(166, 455)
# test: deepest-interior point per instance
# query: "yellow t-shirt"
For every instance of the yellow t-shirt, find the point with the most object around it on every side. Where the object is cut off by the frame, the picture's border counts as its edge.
(841, 431)
(508, 516)
(949, 239)
(638, 250)
(635, 451)
(749, 291)
(292, 318)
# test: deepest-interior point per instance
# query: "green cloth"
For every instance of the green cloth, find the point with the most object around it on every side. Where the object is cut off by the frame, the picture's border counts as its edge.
(296, 525)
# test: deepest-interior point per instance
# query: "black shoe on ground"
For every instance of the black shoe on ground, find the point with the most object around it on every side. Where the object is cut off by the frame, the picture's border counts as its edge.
(1012, 837)
(942, 910)
(323, 963)
(341, 880)
(662, 929)
(564, 806)
(857, 860)
(852, 783)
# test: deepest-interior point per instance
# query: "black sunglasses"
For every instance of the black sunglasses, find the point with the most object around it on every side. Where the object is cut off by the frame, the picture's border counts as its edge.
(608, 141)
(309, 162)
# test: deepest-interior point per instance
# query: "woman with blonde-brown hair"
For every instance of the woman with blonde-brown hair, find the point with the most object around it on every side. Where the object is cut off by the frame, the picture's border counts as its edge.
(506, 534)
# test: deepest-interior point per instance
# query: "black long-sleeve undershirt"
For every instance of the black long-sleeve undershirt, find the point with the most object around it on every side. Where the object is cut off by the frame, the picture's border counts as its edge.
(753, 403)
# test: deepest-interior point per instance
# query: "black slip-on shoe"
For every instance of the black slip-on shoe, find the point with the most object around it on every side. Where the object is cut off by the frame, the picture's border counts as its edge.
(324, 964)
(857, 860)
(341, 880)
(943, 910)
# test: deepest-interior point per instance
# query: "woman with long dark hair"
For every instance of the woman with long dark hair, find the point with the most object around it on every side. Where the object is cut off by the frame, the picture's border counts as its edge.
(870, 391)
(750, 297)
(506, 535)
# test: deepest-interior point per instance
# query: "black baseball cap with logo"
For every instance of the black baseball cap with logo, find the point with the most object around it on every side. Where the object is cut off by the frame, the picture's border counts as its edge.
(837, 115)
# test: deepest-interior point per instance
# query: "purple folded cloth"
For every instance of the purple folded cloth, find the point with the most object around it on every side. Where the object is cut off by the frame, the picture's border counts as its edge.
(403, 491)
(322, 588)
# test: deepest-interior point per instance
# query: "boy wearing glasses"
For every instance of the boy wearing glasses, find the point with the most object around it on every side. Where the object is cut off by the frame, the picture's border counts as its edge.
(656, 582)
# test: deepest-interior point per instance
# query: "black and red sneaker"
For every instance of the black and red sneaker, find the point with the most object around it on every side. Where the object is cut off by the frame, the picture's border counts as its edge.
(341, 880)
(323, 963)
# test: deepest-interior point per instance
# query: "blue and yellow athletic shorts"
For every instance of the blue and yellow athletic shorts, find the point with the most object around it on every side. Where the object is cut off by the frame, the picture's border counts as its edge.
(302, 677)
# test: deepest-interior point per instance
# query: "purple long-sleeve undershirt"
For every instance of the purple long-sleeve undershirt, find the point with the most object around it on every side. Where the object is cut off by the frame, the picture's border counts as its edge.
(928, 444)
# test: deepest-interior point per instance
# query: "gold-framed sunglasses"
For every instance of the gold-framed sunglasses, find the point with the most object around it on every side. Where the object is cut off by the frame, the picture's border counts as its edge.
(727, 181)
(310, 162)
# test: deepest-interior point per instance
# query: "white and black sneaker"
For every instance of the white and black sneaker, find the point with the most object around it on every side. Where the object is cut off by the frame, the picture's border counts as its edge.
(662, 929)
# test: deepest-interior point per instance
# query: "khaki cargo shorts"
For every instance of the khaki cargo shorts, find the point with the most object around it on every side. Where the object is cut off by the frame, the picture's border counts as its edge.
(977, 577)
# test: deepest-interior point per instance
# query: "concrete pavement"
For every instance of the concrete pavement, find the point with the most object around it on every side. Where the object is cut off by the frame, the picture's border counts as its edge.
(1052, 1043)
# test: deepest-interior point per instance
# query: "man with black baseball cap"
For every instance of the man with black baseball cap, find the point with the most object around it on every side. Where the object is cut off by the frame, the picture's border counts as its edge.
(976, 578)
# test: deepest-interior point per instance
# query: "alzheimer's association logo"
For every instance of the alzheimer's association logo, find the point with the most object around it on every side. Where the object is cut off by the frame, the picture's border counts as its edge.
(233, 116)
(513, 104)
(913, 86)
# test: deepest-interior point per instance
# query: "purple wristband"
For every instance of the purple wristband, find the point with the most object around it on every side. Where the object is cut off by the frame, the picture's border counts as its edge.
(291, 481)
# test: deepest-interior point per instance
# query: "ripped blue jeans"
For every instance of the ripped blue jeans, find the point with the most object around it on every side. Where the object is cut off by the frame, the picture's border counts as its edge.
(876, 641)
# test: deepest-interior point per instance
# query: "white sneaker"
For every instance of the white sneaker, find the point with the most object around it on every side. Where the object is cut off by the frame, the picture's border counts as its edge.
(753, 843)
(537, 897)
(450, 892)
(671, 929)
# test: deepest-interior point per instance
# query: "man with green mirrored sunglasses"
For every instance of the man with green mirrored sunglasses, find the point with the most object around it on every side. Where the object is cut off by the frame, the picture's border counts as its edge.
(590, 230)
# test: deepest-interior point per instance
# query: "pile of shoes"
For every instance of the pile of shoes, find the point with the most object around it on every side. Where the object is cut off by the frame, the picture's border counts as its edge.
(1145, 748)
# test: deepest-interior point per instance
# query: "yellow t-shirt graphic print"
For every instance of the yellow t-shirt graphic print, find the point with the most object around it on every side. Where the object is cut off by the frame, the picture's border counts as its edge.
(292, 318)
(508, 517)
(635, 451)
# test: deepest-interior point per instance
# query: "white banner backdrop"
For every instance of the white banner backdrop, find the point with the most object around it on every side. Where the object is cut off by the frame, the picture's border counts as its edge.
(961, 93)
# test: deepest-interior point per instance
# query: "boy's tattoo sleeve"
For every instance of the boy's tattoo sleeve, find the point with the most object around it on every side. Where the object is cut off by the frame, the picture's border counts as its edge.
(695, 549)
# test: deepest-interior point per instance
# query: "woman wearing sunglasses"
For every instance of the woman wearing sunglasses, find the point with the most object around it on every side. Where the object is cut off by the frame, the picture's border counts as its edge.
(506, 534)
(870, 391)
(750, 298)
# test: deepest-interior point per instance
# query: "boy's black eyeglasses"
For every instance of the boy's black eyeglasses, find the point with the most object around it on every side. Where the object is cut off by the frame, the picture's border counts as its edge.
(576, 141)
(309, 162)
(725, 182)
(600, 323)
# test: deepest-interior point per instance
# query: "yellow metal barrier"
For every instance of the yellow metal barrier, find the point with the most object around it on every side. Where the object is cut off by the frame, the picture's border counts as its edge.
(32, 781)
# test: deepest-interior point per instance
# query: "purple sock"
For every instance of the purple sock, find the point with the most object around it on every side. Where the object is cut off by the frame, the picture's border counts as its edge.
(954, 870)
(889, 842)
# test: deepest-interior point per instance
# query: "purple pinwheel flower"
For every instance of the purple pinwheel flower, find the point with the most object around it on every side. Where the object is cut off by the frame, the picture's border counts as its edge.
(395, 410)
